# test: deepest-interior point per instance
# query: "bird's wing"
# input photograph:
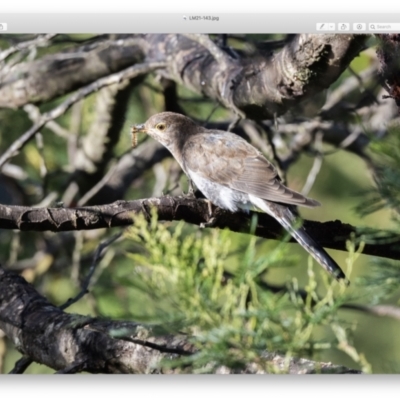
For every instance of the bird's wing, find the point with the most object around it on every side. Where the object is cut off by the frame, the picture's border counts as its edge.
(229, 160)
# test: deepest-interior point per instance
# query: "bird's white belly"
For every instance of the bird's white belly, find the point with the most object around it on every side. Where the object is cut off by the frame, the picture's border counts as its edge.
(220, 195)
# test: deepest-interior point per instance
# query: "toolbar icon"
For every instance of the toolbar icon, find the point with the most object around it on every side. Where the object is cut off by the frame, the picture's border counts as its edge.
(325, 26)
(359, 26)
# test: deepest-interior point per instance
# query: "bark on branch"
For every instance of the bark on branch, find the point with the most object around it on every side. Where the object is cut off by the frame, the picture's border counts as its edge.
(257, 85)
(71, 343)
(331, 234)
(57, 74)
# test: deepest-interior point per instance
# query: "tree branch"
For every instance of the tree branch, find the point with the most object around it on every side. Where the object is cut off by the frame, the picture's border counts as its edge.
(58, 74)
(73, 343)
(256, 85)
(128, 73)
(260, 86)
(331, 234)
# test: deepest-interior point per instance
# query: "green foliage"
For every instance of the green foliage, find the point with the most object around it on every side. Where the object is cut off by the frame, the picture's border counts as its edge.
(232, 318)
(387, 176)
(384, 281)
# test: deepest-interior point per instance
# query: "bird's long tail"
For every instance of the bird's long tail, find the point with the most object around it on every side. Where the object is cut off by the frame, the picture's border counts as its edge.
(288, 220)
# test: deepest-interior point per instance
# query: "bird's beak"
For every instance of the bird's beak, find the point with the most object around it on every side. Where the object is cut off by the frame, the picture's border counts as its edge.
(137, 129)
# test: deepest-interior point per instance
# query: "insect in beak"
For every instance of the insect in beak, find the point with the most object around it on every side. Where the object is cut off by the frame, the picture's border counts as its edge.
(134, 131)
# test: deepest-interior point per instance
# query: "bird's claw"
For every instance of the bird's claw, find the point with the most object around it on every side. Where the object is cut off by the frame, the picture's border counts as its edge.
(209, 224)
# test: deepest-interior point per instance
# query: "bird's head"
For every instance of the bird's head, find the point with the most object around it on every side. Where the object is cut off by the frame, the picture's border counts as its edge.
(167, 128)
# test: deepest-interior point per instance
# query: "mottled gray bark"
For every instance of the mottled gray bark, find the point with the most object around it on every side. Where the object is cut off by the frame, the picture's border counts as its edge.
(60, 73)
(71, 343)
(257, 85)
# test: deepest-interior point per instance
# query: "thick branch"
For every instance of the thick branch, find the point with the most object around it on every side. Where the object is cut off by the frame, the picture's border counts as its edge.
(332, 234)
(59, 340)
(261, 86)
(57, 74)
(73, 343)
(257, 85)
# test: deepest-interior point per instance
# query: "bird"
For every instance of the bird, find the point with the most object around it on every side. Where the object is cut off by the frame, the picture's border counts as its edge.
(234, 175)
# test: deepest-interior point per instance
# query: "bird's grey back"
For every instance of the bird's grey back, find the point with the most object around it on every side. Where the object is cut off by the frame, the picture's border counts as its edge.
(228, 160)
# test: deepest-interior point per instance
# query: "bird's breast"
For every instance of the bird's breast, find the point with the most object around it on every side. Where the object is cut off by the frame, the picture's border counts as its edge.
(220, 195)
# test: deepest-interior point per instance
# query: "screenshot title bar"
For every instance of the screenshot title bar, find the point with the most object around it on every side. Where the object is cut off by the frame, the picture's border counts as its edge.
(198, 23)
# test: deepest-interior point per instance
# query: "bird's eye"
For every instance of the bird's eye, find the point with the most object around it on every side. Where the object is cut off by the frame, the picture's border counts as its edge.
(161, 126)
